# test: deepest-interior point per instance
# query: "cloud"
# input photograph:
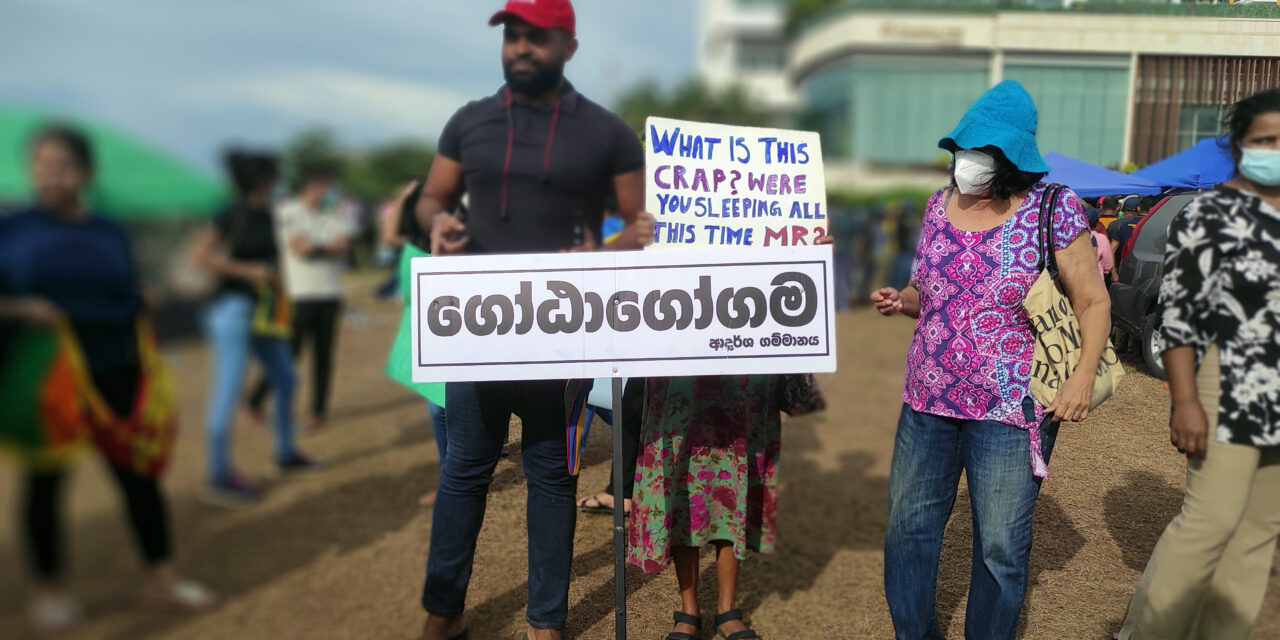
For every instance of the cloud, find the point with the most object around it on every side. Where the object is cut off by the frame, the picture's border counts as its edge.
(346, 99)
(192, 76)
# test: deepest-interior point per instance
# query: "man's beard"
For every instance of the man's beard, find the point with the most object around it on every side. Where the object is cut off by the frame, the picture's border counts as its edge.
(542, 79)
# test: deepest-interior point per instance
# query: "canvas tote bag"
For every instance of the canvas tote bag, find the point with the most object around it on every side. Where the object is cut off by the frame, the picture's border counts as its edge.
(1058, 338)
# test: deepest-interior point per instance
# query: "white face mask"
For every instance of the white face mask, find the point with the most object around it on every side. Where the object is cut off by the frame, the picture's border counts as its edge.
(974, 172)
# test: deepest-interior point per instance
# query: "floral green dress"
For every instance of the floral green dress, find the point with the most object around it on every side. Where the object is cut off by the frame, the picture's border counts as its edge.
(708, 467)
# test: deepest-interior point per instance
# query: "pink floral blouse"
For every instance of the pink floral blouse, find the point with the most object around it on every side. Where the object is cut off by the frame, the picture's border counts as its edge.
(971, 355)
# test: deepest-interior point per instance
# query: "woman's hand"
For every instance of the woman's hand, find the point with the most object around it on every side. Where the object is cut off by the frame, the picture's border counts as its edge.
(888, 301)
(1189, 430)
(259, 272)
(1073, 399)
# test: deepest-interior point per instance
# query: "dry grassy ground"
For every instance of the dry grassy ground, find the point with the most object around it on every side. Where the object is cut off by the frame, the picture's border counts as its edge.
(340, 554)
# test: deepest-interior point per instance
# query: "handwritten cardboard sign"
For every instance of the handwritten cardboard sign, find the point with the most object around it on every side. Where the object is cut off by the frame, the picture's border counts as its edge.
(720, 185)
(716, 311)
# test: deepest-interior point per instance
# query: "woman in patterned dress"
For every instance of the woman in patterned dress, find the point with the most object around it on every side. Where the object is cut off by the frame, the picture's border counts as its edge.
(1221, 300)
(966, 400)
(707, 474)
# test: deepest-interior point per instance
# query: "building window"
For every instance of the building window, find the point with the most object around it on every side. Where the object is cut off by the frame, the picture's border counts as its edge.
(1085, 124)
(1197, 122)
(832, 122)
(829, 111)
(759, 55)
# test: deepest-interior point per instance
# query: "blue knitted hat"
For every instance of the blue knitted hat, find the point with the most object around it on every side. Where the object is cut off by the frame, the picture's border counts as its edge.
(1003, 117)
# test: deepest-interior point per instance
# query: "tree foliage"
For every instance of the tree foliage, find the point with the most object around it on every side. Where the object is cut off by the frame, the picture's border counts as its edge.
(379, 173)
(313, 145)
(692, 100)
(373, 174)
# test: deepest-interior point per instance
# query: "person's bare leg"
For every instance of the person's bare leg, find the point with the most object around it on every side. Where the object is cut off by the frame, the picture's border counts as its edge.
(544, 634)
(440, 628)
(603, 499)
(727, 586)
(685, 560)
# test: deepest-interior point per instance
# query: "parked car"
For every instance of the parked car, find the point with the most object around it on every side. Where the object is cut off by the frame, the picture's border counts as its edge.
(1135, 295)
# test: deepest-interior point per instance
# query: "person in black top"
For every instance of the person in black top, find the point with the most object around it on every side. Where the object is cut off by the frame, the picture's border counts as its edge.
(1221, 329)
(241, 250)
(538, 161)
(40, 286)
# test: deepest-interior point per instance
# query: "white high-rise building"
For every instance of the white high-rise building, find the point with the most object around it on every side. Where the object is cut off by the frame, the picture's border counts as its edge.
(742, 41)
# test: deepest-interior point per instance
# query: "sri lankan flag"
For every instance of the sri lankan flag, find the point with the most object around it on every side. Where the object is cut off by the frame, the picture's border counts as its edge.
(42, 386)
(49, 406)
(575, 409)
(272, 311)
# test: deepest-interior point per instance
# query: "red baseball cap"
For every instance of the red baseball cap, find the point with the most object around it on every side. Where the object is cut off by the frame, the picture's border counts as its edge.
(544, 14)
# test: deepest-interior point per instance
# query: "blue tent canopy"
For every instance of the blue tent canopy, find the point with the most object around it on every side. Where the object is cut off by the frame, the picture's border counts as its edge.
(1090, 181)
(1200, 167)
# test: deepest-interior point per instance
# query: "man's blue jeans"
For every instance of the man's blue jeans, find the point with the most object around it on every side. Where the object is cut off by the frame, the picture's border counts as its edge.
(228, 322)
(928, 455)
(439, 429)
(478, 415)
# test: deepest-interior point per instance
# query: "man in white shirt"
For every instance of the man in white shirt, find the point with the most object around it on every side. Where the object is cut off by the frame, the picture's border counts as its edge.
(314, 235)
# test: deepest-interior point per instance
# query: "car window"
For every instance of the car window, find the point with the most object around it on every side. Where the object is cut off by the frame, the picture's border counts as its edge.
(1150, 243)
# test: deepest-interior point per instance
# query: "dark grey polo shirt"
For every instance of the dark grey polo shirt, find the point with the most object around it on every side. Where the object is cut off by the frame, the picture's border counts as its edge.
(545, 211)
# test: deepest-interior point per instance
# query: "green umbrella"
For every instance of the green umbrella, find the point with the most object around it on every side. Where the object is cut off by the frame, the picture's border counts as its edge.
(134, 181)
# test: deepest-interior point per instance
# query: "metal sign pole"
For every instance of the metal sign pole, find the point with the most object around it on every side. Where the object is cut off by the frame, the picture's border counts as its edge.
(619, 523)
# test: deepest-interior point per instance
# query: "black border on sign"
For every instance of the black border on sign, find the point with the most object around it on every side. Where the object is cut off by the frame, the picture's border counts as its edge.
(826, 314)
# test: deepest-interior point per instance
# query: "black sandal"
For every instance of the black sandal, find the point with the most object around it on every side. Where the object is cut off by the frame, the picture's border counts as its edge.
(730, 616)
(584, 505)
(680, 617)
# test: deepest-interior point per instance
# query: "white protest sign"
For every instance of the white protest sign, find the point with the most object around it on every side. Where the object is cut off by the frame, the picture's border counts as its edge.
(623, 314)
(715, 185)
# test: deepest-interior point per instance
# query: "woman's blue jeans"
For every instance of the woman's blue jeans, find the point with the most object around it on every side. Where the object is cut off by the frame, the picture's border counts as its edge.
(928, 455)
(228, 321)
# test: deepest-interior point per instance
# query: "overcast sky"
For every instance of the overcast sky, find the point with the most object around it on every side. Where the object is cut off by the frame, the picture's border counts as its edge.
(191, 76)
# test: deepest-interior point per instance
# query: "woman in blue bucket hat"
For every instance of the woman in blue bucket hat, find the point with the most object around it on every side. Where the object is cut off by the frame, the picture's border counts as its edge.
(966, 402)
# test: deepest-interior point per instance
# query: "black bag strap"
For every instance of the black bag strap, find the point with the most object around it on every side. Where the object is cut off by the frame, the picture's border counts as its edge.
(1048, 200)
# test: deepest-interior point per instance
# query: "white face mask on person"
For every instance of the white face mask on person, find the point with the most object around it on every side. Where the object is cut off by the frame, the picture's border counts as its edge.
(1261, 166)
(974, 171)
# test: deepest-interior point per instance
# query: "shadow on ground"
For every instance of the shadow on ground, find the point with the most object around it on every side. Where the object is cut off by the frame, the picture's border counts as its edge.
(1137, 513)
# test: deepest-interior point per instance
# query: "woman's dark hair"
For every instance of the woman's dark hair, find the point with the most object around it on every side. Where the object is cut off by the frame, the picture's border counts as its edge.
(1239, 116)
(1008, 178)
(250, 170)
(318, 170)
(72, 139)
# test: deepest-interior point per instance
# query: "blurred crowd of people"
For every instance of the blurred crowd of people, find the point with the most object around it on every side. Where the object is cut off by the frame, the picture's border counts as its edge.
(875, 245)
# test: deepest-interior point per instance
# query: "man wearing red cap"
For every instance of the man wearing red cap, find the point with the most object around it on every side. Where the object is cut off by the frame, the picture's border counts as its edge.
(539, 163)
